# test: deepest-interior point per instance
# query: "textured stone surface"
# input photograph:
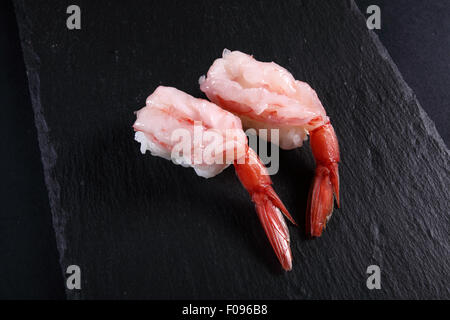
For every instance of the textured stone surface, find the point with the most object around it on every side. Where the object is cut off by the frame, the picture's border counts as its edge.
(141, 227)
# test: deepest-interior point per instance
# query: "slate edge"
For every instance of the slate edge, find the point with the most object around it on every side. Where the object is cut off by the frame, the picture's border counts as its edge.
(48, 154)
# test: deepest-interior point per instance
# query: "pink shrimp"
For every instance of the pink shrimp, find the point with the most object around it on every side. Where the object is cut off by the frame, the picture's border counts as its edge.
(266, 96)
(218, 140)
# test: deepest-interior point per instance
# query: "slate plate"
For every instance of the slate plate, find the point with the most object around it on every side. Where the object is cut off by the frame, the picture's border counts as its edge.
(141, 227)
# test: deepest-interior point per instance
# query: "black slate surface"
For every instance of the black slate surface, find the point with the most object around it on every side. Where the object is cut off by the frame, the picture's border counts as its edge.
(141, 227)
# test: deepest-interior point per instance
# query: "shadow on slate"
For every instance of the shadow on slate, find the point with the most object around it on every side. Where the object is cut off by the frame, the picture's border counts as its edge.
(141, 227)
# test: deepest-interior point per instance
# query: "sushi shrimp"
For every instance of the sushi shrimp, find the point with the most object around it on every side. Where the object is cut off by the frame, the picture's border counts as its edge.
(169, 113)
(266, 96)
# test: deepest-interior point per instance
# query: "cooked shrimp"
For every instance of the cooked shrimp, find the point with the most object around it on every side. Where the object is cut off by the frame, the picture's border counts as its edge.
(218, 140)
(266, 96)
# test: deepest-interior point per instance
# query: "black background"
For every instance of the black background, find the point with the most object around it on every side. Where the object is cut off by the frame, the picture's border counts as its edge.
(416, 36)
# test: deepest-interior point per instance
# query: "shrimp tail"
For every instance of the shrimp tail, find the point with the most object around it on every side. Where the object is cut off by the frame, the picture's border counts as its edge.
(325, 186)
(277, 202)
(255, 179)
(275, 227)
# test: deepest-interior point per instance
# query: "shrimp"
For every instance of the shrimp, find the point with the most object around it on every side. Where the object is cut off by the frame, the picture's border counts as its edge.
(266, 96)
(197, 133)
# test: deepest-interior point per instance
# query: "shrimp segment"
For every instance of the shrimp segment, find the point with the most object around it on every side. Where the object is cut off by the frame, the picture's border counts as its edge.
(255, 179)
(171, 114)
(266, 96)
(325, 149)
